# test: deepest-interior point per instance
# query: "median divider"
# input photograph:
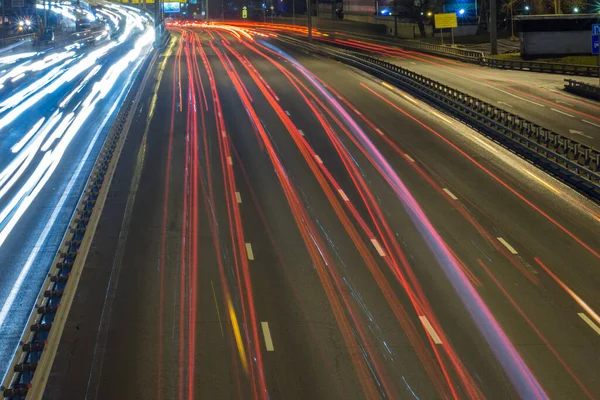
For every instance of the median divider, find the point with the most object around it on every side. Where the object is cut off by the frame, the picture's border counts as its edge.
(572, 162)
(33, 359)
(583, 89)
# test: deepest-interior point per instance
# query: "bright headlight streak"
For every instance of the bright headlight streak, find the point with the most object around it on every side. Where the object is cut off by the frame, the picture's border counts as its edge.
(25, 157)
(16, 57)
(89, 76)
(19, 145)
(25, 189)
(70, 74)
(58, 132)
(18, 97)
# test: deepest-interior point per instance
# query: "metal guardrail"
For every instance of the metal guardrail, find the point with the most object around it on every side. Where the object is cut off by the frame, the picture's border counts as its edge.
(540, 66)
(574, 163)
(450, 52)
(583, 89)
(16, 383)
(478, 57)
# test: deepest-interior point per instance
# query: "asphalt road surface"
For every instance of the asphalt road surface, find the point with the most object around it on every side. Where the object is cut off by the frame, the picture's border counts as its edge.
(56, 108)
(281, 226)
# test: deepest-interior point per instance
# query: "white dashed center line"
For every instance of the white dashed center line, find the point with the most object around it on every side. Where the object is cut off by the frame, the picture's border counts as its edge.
(507, 245)
(238, 197)
(450, 194)
(378, 247)
(589, 322)
(409, 157)
(267, 334)
(344, 197)
(249, 251)
(432, 333)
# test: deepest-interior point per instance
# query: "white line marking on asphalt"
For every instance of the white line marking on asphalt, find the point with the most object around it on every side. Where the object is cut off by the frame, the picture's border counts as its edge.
(378, 247)
(449, 193)
(229, 160)
(379, 131)
(579, 133)
(514, 95)
(288, 113)
(413, 63)
(267, 334)
(563, 102)
(591, 123)
(506, 104)
(300, 132)
(238, 197)
(318, 159)
(344, 197)
(249, 251)
(507, 245)
(434, 336)
(589, 322)
(409, 157)
(562, 112)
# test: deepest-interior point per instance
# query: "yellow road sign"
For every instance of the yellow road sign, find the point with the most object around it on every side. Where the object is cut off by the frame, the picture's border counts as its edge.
(447, 20)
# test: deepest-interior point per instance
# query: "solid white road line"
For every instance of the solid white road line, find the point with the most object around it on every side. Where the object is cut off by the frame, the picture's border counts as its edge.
(449, 193)
(378, 247)
(344, 197)
(591, 123)
(507, 245)
(238, 197)
(589, 322)
(249, 251)
(515, 96)
(267, 334)
(576, 132)
(409, 157)
(562, 112)
(434, 336)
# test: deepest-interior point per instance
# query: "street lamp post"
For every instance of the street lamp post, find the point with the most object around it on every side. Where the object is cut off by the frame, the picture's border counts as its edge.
(493, 28)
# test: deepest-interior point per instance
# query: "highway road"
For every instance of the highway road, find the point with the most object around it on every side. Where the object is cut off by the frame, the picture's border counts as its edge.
(56, 108)
(538, 97)
(282, 226)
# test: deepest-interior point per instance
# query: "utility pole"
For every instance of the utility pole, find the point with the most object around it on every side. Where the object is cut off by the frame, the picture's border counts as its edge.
(206, 9)
(309, 22)
(157, 19)
(493, 28)
(294, 12)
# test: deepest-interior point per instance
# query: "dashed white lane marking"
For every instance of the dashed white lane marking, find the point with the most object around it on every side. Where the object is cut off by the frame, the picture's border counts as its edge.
(249, 251)
(506, 104)
(378, 247)
(344, 197)
(589, 322)
(288, 113)
(449, 193)
(238, 197)
(379, 131)
(413, 63)
(507, 245)
(514, 95)
(434, 336)
(591, 123)
(267, 334)
(318, 159)
(563, 102)
(229, 160)
(409, 157)
(300, 132)
(576, 132)
(562, 112)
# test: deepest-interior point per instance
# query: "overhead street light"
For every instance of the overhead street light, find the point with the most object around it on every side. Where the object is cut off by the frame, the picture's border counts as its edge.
(575, 10)
(461, 11)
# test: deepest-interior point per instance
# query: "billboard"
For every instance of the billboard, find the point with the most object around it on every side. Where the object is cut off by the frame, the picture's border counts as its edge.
(171, 7)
